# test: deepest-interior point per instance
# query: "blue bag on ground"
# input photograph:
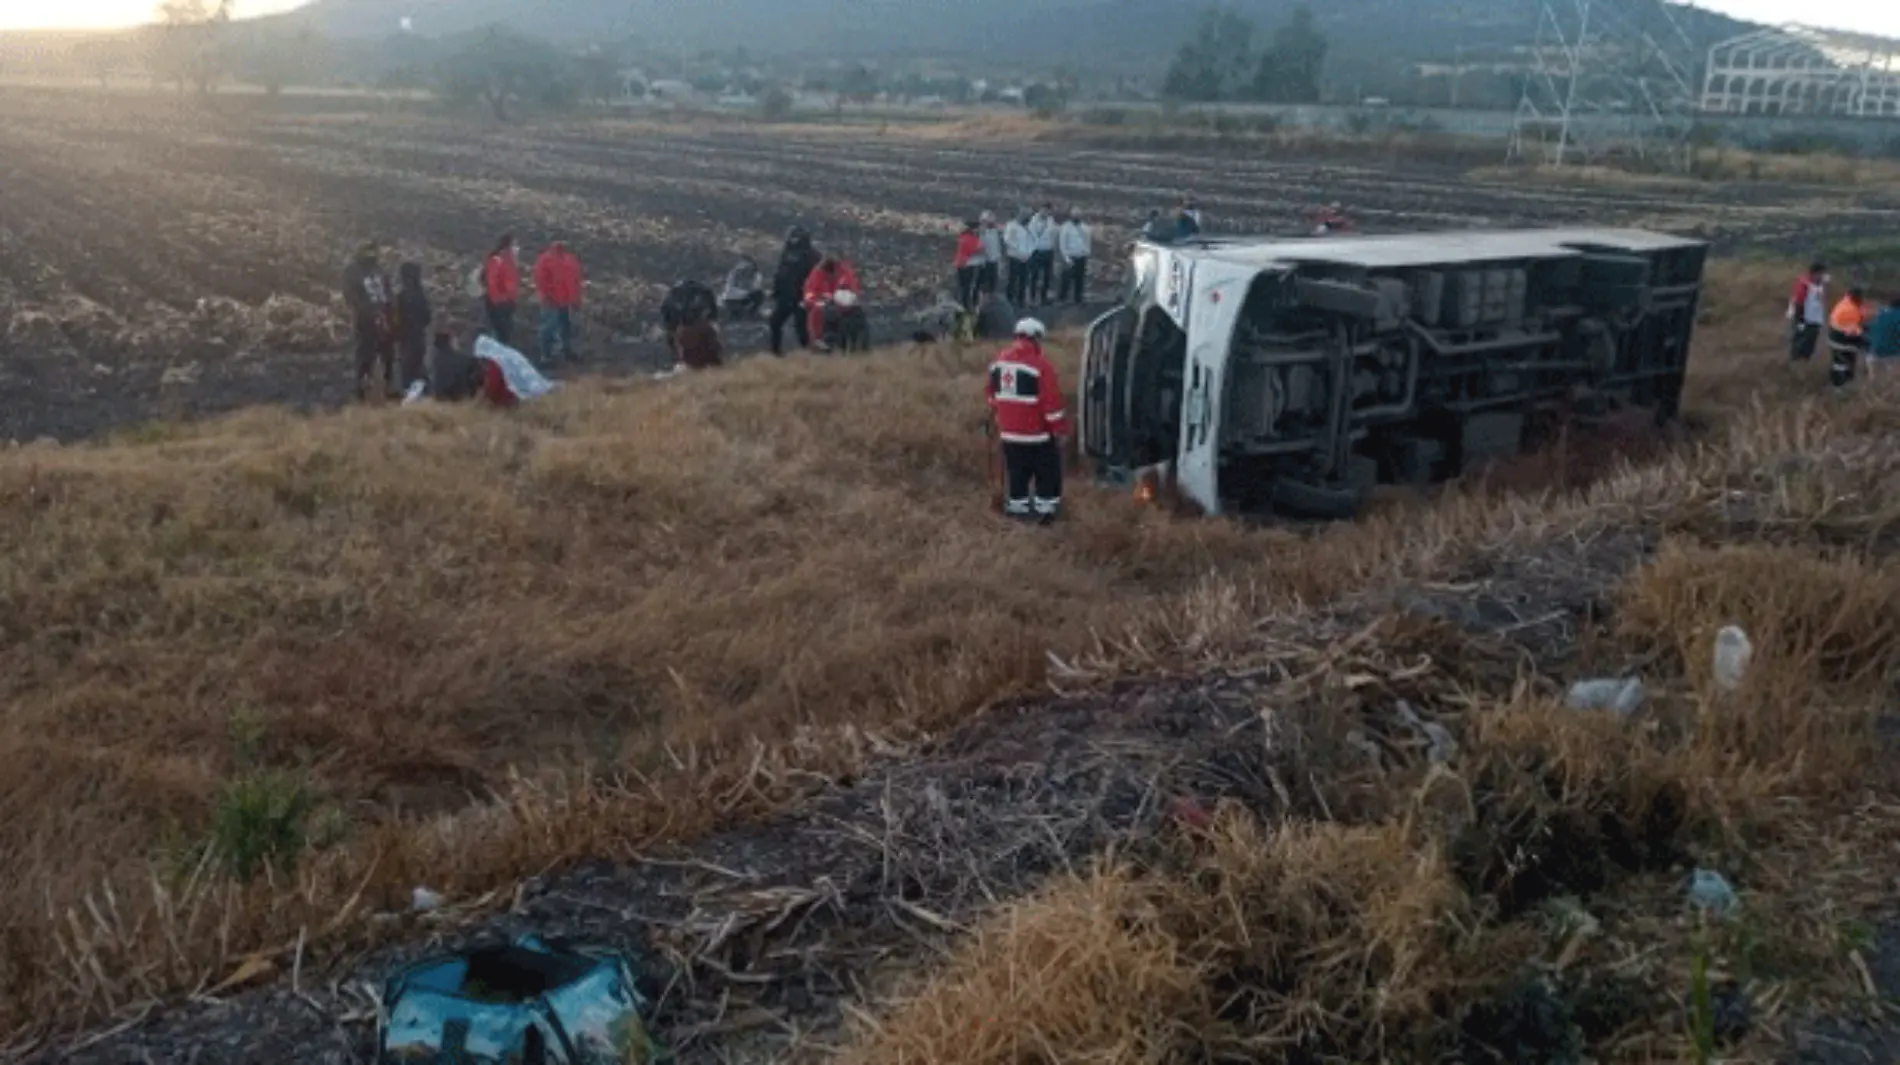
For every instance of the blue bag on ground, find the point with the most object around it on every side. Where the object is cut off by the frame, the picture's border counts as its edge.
(526, 1002)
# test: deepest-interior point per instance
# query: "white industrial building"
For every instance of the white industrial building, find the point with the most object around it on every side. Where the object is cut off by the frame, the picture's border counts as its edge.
(1801, 70)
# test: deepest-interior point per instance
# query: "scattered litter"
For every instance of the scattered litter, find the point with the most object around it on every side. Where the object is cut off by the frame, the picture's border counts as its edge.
(422, 900)
(527, 1001)
(1624, 695)
(1733, 650)
(1441, 747)
(415, 393)
(1710, 891)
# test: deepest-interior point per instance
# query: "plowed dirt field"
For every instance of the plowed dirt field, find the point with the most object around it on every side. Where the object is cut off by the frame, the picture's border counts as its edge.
(161, 257)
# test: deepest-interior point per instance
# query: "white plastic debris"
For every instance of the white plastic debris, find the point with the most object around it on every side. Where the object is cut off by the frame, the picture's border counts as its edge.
(414, 395)
(1733, 651)
(1711, 892)
(1623, 695)
(1441, 747)
(422, 900)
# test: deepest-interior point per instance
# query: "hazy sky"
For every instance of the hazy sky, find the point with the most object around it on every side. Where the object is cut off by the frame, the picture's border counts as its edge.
(104, 14)
(1868, 16)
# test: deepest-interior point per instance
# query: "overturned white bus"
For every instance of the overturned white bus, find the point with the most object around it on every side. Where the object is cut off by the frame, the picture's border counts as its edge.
(1291, 376)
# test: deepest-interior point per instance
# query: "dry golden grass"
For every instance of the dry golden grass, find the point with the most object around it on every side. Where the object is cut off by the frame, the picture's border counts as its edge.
(1405, 938)
(487, 644)
(1552, 843)
(408, 611)
(1261, 943)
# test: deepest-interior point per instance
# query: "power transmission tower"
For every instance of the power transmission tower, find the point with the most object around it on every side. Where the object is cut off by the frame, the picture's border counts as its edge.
(1607, 77)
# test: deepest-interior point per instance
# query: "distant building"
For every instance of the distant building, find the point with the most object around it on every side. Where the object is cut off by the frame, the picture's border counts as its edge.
(1801, 70)
(671, 91)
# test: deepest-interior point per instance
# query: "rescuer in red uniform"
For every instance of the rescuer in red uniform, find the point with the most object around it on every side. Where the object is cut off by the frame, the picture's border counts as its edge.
(831, 276)
(1025, 398)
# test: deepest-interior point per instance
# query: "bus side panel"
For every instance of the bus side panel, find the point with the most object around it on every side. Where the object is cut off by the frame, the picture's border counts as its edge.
(1211, 304)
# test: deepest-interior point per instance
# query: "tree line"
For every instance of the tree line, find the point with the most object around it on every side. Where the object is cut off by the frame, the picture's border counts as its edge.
(1218, 61)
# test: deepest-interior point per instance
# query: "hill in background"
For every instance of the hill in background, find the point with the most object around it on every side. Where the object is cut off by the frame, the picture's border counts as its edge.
(1084, 34)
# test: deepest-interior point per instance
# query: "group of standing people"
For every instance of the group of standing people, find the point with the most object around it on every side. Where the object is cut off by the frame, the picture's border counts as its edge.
(1186, 224)
(1021, 256)
(400, 353)
(559, 283)
(1856, 335)
(811, 290)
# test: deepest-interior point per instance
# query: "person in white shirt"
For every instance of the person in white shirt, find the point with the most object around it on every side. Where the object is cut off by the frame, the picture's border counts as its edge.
(1042, 263)
(992, 235)
(1019, 248)
(1075, 242)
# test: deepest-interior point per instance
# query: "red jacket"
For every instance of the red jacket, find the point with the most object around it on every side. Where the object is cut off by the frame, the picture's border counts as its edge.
(969, 246)
(495, 386)
(504, 279)
(821, 284)
(557, 277)
(1026, 396)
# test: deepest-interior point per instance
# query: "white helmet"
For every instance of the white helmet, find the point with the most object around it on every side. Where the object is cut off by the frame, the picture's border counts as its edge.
(847, 298)
(1031, 328)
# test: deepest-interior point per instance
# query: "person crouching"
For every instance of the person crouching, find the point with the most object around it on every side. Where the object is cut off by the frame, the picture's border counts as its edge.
(453, 376)
(689, 315)
(832, 275)
(1025, 399)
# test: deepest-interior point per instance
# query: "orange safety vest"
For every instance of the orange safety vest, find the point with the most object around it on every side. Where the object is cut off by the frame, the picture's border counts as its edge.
(1848, 317)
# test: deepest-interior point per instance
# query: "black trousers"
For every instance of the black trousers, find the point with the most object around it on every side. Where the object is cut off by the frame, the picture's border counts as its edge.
(793, 313)
(374, 359)
(501, 319)
(1034, 476)
(1802, 337)
(414, 350)
(1075, 280)
(968, 281)
(986, 278)
(1016, 285)
(1042, 269)
(1844, 354)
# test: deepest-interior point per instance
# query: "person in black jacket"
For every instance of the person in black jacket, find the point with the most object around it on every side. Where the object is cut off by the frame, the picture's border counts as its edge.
(413, 316)
(795, 264)
(453, 376)
(366, 291)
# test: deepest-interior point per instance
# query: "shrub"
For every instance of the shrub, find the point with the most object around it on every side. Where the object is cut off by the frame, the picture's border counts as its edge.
(260, 822)
(775, 105)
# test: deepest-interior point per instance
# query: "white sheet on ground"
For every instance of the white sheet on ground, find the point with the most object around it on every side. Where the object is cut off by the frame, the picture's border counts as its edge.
(523, 379)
